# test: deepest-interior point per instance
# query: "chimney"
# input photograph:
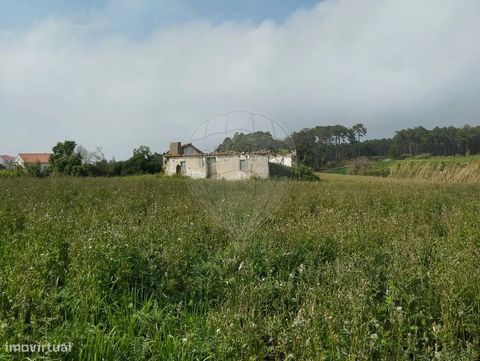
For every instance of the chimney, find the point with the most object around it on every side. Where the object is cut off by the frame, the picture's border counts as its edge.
(175, 148)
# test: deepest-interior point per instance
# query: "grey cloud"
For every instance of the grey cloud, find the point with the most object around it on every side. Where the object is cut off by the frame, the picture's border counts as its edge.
(388, 64)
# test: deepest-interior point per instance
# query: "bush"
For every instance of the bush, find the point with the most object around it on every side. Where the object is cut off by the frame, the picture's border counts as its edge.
(11, 173)
(299, 172)
(32, 170)
(366, 167)
(35, 170)
(304, 172)
(280, 171)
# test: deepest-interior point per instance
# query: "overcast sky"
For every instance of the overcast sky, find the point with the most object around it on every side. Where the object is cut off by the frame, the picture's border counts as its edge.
(121, 73)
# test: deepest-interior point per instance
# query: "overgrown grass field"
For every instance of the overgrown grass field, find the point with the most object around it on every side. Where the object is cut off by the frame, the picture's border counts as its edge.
(348, 268)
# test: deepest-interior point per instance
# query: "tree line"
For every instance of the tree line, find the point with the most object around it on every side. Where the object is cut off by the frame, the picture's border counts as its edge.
(253, 142)
(327, 146)
(318, 147)
(438, 141)
(71, 159)
(315, 147)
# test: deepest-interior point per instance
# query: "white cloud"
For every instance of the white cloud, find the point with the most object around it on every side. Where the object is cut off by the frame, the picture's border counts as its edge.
(388, 64)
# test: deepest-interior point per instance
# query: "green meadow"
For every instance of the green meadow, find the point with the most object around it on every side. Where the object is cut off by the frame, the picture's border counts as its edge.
(140, 268)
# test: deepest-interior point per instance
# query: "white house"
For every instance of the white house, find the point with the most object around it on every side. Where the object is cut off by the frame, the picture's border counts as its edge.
(26, 159)
(6, 161)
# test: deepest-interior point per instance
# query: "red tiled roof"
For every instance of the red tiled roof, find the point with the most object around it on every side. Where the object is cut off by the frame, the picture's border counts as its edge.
(6, 157)
(33, 158)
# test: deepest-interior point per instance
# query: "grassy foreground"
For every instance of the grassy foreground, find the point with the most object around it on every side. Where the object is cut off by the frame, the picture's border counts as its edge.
(346, 268)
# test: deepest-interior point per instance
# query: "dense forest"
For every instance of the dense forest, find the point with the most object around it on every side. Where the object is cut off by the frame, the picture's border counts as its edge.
(325, 146)
(316, 147)
(437, 141)
(253, 142)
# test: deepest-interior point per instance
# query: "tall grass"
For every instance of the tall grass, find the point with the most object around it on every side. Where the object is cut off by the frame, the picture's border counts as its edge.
(135, 269)
(441, 169)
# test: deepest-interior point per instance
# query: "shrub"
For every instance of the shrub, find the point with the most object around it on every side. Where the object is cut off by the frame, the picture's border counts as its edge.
(299, 172)
(304, 172)
(36, 170)
(280, 171)
(7, 173)
(366, 167)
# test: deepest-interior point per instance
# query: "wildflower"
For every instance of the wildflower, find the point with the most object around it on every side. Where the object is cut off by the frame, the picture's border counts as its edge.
(298, 321)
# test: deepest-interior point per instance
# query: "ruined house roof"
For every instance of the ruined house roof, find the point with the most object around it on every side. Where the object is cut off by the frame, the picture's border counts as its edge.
(183, 152)
(179, 150)
(217, 154)
(190, 145)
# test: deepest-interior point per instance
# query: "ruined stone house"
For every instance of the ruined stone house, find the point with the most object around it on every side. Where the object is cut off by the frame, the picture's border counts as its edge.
(188, 160)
